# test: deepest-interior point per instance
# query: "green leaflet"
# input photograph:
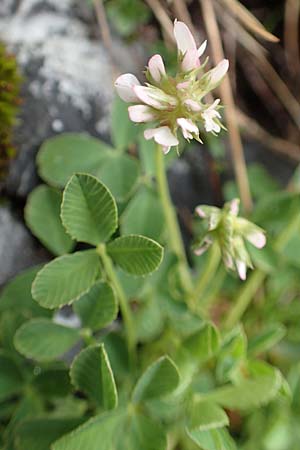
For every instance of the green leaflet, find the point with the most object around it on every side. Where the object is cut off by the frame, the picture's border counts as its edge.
(117, 430)
(11, 379)
(88, 211)
(61, 156)
(40, 433)
(120, 174)
(218, 439)
(203, 344)
(98, 307)
(91, 372)
(42, 215)
(269, 336)
(44, 340)
(143, 215)
(159, 379)
(65, 279)
(248, 393)
(203, 416)
(136, 254)
(17, 294)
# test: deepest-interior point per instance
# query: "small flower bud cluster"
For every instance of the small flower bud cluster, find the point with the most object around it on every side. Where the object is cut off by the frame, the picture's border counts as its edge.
(230, 232)
(175, 103)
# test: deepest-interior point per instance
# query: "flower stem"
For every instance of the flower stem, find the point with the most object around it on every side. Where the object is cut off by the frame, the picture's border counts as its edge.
(125, 309)
(173, 230)
(256, 279)
(212, 264)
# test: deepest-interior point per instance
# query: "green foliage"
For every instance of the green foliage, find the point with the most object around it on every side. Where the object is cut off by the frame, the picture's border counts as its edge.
(10, 83)
(127, 15)
(42, 215)
(88, 210)
(98, 307)
(43, 340)
(91, 373)
(65, 279)
(136, 254)
(105, 384)
(63, 155)
(160, 379)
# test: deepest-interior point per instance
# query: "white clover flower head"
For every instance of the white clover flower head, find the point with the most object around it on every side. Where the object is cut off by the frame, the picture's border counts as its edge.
(175, 104)
(230, 232)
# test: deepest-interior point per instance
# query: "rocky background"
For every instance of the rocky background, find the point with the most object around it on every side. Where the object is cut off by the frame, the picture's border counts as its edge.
(68, 87)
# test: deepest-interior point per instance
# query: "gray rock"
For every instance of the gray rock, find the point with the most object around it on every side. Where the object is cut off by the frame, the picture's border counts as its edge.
(68, 78)
(18, 249)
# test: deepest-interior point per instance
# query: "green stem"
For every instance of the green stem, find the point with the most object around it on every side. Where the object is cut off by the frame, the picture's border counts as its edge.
(125, 309)
(211, 266)
(173, 230)
(256, 279)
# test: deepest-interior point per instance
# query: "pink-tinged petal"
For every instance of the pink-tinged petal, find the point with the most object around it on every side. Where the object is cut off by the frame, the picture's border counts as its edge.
(190, 60)
(202, 49)
(183, 85)
(235, 206)
(154, 97)
(200, 212)
(219, 71)
(184, 38)
(157, 68)
(242, 270)
(192, 105)
(162, 136)
(124, 85)
(140, 113)
(257, 239)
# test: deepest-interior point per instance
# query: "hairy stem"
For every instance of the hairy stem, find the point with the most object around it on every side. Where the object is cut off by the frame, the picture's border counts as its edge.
(125, 309)
(173, 230)
(205, 277)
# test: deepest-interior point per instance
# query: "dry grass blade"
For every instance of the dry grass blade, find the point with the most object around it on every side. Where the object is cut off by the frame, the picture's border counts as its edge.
(227, 97)
(256, 132)
(291, 35)
(162, 17)
(287, 99)
(249, 20)
(182, 13)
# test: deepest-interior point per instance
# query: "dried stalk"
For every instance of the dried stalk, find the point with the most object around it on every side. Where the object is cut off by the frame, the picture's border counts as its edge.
(249, 20)
(291, 35)
(162, 17)
(227, 97)
(255, 131)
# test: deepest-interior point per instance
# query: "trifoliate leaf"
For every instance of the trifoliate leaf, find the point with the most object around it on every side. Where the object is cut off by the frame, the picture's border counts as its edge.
(203, 344)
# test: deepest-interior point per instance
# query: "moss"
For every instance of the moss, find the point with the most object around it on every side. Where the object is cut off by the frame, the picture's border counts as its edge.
(10, 83)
